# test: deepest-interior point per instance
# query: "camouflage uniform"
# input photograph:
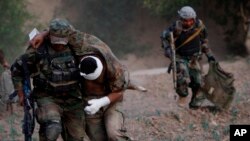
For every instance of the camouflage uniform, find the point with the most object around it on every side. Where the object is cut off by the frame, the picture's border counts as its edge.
(106, 124)
(56, 90)
(86, 44)
(188, 56)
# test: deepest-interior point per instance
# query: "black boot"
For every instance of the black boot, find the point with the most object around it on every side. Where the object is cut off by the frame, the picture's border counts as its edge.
(196, 99)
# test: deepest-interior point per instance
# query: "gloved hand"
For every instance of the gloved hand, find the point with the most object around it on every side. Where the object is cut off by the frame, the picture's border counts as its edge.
(96, 104)
(168, 52)
(211, 58)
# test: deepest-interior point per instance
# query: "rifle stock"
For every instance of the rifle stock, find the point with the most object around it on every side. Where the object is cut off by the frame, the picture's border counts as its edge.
(173, 59)
(29, 112)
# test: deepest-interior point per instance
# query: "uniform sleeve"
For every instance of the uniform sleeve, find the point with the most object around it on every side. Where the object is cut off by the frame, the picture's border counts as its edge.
(118, 81)
(165, 36)
(83, 43)
(17, 70)
(204, 39)
(76, 40)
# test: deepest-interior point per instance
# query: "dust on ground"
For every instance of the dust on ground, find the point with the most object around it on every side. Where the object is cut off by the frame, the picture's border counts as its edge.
(155, 115)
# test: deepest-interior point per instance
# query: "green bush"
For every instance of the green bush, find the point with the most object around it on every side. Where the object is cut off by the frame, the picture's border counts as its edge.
(12, 21)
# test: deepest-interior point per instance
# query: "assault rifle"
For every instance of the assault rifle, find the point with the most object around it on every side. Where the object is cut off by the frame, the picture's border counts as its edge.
(173, 60)
(29, 111)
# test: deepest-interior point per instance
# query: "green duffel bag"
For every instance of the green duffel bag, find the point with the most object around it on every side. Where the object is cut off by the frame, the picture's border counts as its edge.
(218, 87)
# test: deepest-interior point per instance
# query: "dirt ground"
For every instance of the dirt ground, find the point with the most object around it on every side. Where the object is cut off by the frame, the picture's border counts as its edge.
(156, 116)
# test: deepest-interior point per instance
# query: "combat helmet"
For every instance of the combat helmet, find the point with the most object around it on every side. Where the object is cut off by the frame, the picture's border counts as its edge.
(187, 12)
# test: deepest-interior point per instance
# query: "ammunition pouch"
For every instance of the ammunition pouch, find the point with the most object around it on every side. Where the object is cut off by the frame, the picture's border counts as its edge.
(46, 86)
(188, 51)
(59, 76)
(195, 56)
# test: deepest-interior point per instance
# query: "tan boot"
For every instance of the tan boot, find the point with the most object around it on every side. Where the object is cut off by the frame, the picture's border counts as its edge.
(181, 101)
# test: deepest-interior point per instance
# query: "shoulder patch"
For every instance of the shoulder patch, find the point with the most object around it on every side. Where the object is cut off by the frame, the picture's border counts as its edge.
(200, 24)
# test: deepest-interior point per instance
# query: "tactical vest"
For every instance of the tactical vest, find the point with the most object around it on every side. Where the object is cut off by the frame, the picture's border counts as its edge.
(191, 47)
(58, 71)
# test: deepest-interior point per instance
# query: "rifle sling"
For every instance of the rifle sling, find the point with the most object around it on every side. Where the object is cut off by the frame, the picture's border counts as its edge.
(196, 33)
(190, 38)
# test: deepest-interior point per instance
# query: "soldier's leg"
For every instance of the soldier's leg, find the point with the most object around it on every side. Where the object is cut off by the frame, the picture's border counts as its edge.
(74, 124)
(182, 78)
(114, 122)
(95, 127)
(48, 116)
(195, 84)
(195, 100)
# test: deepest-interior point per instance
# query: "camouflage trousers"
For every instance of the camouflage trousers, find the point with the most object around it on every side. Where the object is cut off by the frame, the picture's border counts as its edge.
(61, 115)
(189, 74)
(106, 125)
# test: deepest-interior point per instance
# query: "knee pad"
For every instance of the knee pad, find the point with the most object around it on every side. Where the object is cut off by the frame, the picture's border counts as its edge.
(182, 90)
(52, 130)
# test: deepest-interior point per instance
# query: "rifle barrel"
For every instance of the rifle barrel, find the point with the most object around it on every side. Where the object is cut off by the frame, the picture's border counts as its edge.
(173, 59)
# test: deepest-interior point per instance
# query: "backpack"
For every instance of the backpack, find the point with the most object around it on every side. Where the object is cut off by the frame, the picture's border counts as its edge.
(218, 87)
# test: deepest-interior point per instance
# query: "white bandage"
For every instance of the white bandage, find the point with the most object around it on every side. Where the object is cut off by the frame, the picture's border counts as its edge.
(33, 33)
(96, 104)
(94, 75)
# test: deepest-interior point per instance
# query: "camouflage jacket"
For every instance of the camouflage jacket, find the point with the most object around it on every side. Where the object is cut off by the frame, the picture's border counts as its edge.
(86, 44)
(50, 70)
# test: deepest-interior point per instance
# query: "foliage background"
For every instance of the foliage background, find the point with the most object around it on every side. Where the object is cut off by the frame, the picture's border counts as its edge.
(106, 19)
(226, 13)
(12, 23)
(111, 21)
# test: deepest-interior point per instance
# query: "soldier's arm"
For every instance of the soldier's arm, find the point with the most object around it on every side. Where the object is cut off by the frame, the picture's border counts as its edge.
(165, 36)
(17, 78)
(96, 104)
(115, 97)
(17, 72)
(39, 39)
(204, 42)
(75, 38)
(118, 81)
(117, 84)
(166, 39)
